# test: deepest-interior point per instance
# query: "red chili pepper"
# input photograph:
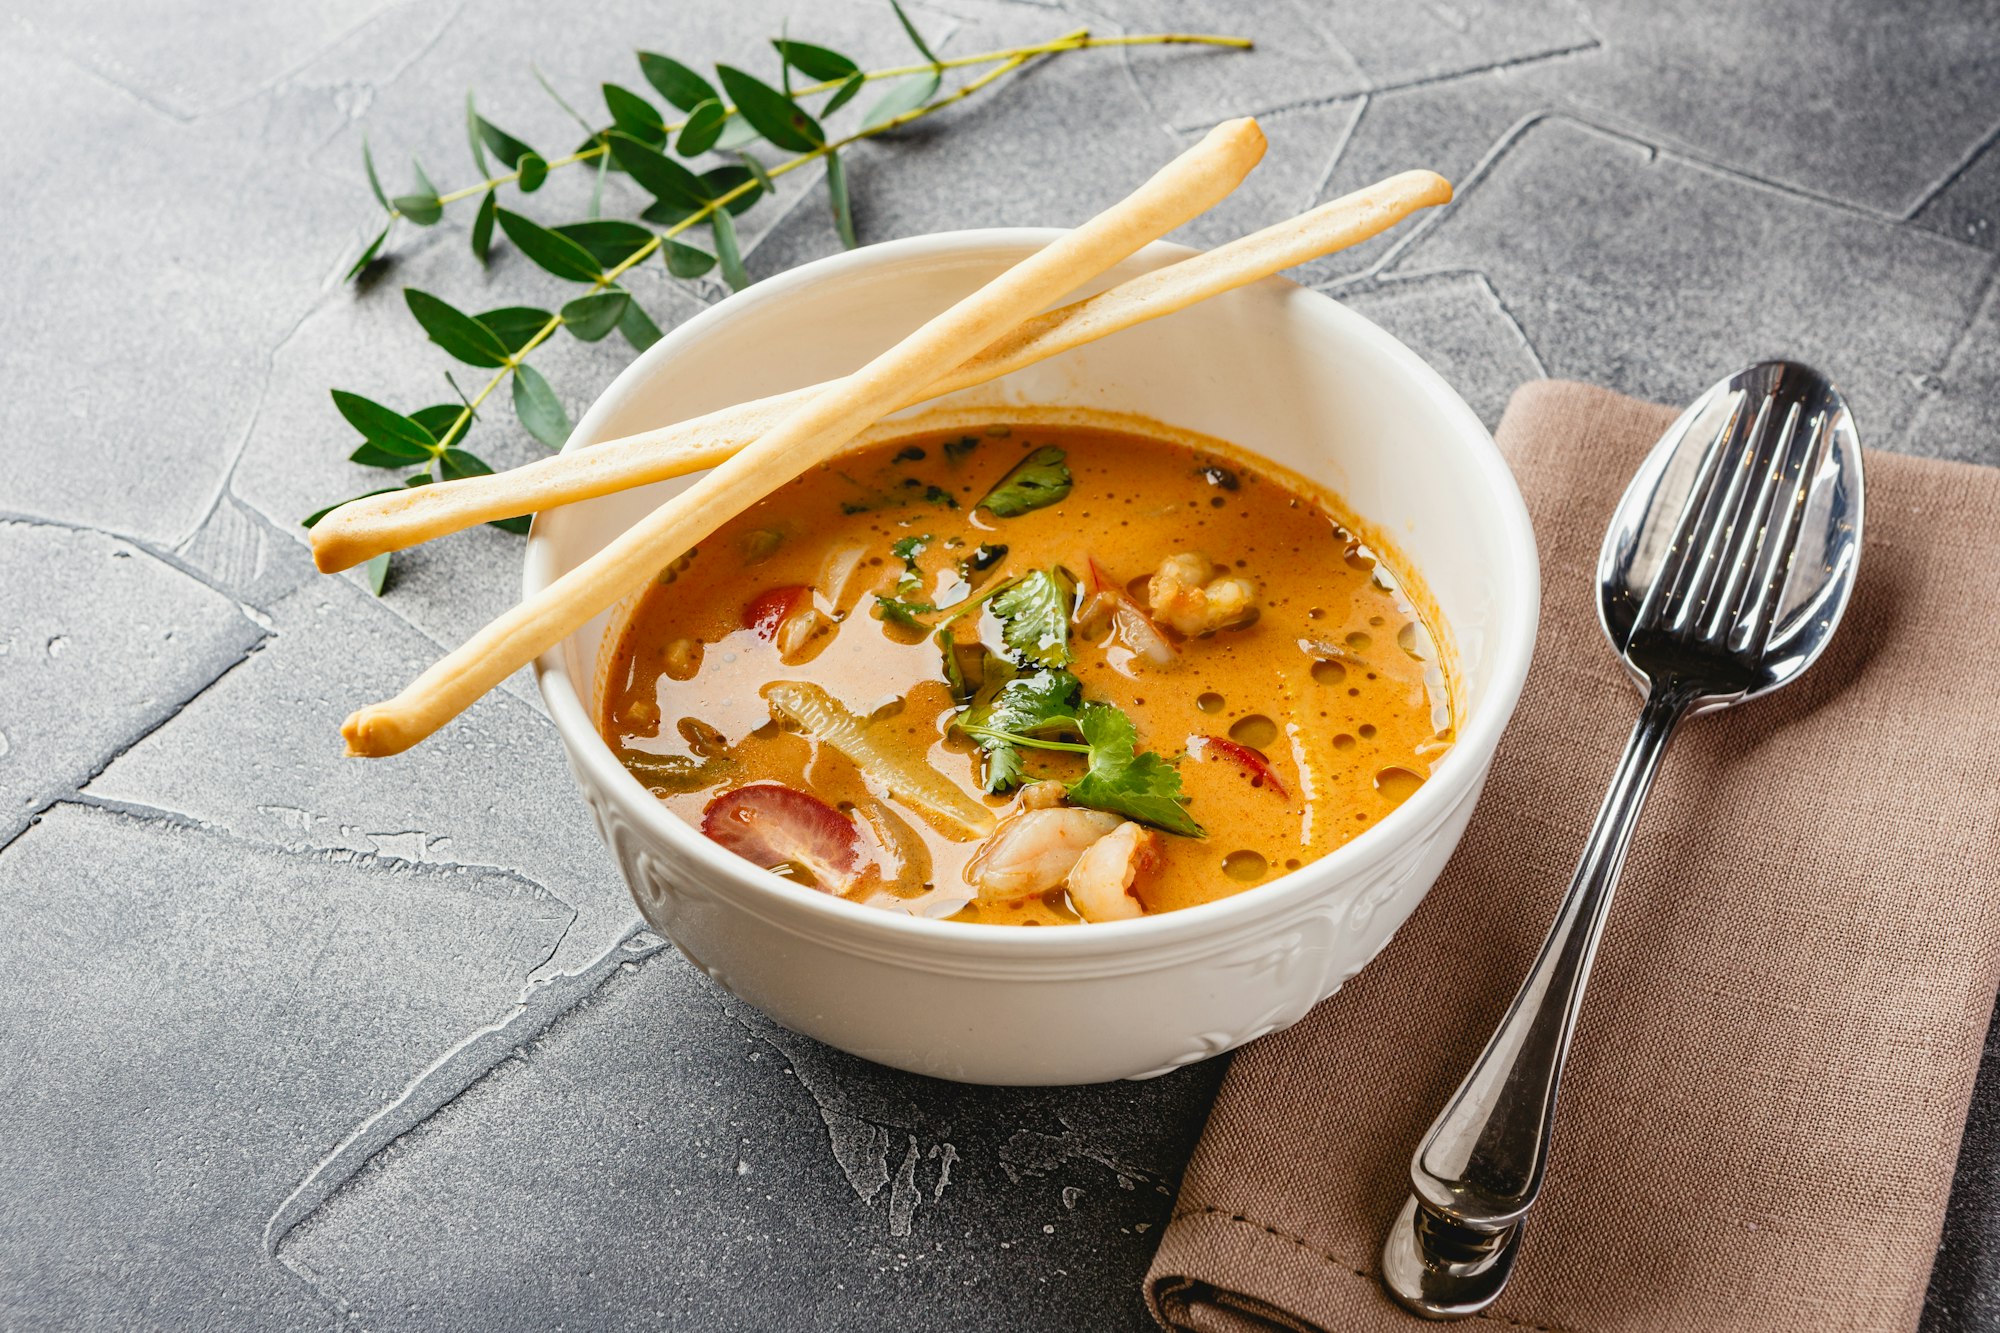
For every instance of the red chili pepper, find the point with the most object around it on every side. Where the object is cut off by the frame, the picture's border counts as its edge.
(772, 608)
(1245, 758)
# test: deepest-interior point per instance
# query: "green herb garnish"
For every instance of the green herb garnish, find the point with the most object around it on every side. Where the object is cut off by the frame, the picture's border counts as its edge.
(1042, 478)
(907, 549)
(1120, 778)
(1021, 707)
(1034, 619)
(1123, 780)
(899, 612)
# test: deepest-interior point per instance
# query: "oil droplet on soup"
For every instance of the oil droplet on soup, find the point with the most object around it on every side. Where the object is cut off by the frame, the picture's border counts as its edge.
(1248, 867)
(1397, 785)
(875, 581)
(1255, 731)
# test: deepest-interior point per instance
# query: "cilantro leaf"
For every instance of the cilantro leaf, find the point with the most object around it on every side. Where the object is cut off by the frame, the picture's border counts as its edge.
(1139, 786)
(1042, 478)
(1034, 619)
(906, 549)
(904, 613)
(1025, 705)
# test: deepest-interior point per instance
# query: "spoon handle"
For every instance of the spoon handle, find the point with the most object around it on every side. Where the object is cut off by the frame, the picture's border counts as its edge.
(1479, 1168)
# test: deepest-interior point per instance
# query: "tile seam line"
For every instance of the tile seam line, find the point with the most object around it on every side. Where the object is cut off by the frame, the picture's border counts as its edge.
(1606, 120)
(1372, 89)
(143, 811)
(1386, 284)
(241, 446)
(119, 750)
(139, 812)
(146, 546)
(1656, 152)
(524, 1022)
(1953, 176)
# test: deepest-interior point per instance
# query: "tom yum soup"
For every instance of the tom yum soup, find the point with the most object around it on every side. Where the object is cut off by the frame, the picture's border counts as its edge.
(1030, 675)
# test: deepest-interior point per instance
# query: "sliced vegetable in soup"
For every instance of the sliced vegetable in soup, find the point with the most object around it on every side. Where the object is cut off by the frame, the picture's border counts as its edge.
(1030, 675)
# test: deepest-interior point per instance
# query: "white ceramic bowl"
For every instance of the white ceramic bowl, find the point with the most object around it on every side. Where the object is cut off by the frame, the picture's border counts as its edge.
(1277, 370)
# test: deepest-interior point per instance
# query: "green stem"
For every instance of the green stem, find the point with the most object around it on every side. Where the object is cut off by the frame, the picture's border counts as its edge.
(1015, 738)
(1009, 58)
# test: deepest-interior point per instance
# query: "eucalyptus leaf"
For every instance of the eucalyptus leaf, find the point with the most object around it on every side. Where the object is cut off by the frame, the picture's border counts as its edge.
(518, 525)
(703, 128)
(536, 404)
(736, 132)
(667, 214)
(383, 426)
(376, 573)
(903, 97)
(657, 173)
(844, 94)
(370, 454)
(458, 463)
(482, 225)
(368, 255)
(611, 241)
(374, 181)
(504, 145)
(727, 252)
(534, 170)
(915, 36)
(319, 514)
(516, 325)
(680, 85)
(447, 421)
(688, 261)
(457, 332)
(815, 62)
(422, 209)
(594, 316)
(558, 254)
(836, 189)
(638, 327)
(753, 169)
(557, 98)
(472, 136)
(634, 114)
(775, 116)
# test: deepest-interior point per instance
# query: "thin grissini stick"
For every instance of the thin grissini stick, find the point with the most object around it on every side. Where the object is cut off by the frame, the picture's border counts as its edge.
(365, 528)
(809, 434)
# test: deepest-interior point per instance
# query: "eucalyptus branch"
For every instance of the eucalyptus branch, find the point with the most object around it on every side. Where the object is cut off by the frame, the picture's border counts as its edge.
(726, 123)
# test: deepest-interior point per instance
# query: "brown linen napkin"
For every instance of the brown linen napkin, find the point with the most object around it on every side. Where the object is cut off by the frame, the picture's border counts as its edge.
(1763, 1107)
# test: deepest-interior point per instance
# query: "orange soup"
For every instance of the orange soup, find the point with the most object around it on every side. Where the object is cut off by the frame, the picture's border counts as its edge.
(1030, 675)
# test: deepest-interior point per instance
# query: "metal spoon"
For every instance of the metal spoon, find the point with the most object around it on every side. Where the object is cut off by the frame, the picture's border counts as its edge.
(1725, 570)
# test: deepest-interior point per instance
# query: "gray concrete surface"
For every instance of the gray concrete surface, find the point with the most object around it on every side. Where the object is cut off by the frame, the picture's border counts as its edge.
(291, 1043)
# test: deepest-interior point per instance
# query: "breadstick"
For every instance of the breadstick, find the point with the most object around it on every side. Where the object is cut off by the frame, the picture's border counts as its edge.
(809, 434)
(367, 527)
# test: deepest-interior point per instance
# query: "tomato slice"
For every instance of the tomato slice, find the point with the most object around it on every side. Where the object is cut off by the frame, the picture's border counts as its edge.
(771, 824)
(1245, 758)
(772, 608)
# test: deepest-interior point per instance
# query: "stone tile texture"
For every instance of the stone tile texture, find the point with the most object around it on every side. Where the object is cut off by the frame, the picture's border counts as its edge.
(297, 1042)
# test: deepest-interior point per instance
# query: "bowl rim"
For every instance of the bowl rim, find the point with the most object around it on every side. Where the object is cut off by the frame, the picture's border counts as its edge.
(894, 933)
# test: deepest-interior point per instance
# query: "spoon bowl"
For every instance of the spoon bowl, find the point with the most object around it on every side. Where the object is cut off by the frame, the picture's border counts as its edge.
(1800, 491)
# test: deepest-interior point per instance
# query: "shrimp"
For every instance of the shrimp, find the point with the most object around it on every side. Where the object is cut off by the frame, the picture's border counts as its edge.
(1033, 850)
(1187, 595)
(1102, 881)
